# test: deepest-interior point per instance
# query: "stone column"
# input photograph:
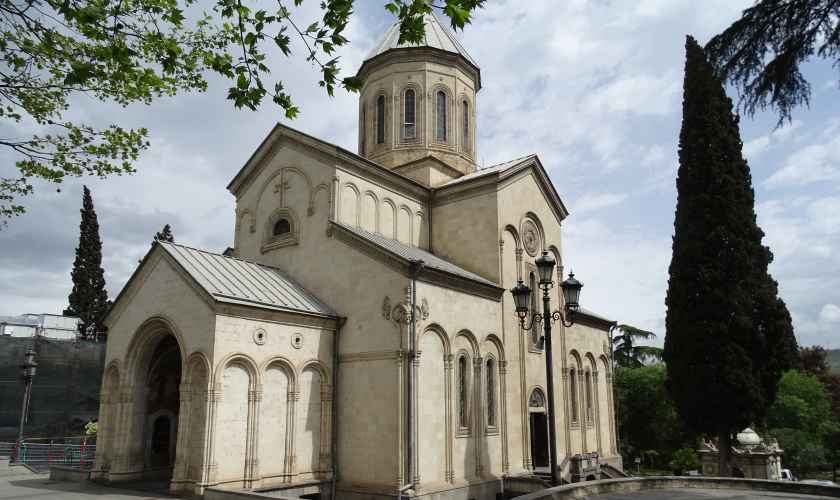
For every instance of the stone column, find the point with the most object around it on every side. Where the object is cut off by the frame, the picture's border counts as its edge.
(415, 421)
(179, 470)
(290, 426)
(598, 429)
(478, 416)
(611, 412)
(581, 382)
(448, 362)
(401, 414)
(210, 467)
(326, 428)
(293, 409)
(251, 446)
(503, 415)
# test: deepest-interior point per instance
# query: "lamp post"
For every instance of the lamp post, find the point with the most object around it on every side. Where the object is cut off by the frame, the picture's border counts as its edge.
(521, 298)
(28, 369)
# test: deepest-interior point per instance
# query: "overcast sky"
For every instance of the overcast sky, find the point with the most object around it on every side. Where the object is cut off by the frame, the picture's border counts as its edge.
(593, 87)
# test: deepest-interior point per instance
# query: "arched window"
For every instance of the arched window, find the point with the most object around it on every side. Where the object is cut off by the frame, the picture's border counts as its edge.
(440, 117)
(380, 119)
(409, 115)
(537, 400)
(588, 388)
(363, 135)
(535, 332)
(281, 227)
(490, 369)
(465, 132)
(463, 391)
(573, 393)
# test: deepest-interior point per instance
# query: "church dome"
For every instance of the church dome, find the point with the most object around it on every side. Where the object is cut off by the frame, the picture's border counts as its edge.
(435, 36)
(417, 105)
(748, 437)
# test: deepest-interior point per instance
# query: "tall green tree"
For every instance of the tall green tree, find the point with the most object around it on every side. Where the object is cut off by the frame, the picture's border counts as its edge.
(728, 336)
(761, 53)
(801, 420)
(53, 51)
(89, 299)
(165, 235)
(627, 353)
(647, 419)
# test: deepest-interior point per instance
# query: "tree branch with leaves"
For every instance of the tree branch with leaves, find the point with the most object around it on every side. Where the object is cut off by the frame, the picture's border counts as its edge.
(135, 51)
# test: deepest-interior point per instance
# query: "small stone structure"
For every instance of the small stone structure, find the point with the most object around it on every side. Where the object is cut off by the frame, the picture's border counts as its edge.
(585, 467)
(753, 456)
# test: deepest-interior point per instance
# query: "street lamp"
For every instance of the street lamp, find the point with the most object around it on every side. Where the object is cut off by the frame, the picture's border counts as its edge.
(521, 298)
(28, 369)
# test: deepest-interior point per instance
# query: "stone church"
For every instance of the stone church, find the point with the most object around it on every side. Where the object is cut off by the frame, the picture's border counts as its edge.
(359, 338)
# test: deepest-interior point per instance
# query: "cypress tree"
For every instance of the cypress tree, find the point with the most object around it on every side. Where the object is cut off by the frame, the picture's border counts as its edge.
(89, 299)
(728, 335)
(165, 235)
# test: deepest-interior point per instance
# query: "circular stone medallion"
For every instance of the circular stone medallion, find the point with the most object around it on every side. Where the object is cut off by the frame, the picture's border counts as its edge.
(260, 336)
(530, 237)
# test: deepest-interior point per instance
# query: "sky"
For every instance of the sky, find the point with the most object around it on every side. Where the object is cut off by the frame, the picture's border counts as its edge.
(594, 87)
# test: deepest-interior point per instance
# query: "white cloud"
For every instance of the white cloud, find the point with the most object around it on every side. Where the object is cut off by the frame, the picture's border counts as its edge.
(595, 201)
(830, 313)
(816, 162)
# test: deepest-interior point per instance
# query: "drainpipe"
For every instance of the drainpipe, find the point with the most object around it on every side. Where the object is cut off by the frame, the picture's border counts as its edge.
(414, 269)
(334, 420)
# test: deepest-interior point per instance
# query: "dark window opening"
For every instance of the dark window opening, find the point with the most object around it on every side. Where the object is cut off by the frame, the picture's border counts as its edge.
(282, 226)
(380, 119)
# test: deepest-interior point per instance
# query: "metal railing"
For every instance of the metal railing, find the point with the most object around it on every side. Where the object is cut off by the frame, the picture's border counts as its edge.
(41, 455)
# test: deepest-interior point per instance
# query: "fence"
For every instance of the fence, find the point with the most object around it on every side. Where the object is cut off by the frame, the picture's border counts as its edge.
(41, 455)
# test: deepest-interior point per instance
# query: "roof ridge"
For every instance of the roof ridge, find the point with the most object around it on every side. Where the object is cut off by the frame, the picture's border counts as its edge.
(506, 161)
(240, 259)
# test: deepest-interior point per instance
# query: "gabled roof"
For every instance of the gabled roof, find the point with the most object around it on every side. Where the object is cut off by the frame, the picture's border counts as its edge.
(280, 131)
(410, 253)
(492, 169)
(435, 35)
(502, 171)
(236, 281)
(595, 316)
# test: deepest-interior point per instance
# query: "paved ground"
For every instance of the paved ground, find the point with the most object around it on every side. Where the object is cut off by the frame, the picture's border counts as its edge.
(18, 483)
(697, 494)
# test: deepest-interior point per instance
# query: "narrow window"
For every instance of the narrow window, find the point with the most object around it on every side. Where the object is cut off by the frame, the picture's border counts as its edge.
(380, 119)
(588, 381)
(573, 391)
(281, 227)
(408, 126)
(440, 134)
(364, 129)
(465, 133)
(491, 392)
(535, 332)
(463, 414)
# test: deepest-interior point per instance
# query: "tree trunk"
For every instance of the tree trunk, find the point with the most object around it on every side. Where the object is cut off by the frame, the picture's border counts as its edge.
(724, 451)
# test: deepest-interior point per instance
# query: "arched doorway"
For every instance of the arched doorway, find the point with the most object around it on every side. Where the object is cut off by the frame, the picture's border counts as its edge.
(162, 403)
(538, 428)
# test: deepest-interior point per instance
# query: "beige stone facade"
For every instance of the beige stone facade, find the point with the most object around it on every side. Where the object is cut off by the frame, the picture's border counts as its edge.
(359, 330)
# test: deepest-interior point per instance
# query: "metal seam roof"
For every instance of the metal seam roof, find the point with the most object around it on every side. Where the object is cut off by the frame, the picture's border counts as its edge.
(228, 279)
(436, 36)
(499, 167)
(413, 253)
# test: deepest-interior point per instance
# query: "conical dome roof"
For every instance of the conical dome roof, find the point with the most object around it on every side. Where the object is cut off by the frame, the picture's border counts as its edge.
(435, 35)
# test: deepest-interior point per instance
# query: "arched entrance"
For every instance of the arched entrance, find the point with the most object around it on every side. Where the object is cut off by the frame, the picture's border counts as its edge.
(163, 401)
(151, 426)
(538, 427)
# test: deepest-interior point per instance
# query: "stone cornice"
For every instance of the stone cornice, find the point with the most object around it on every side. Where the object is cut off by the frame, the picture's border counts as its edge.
(347, 161)
(420, 54)
(401, 264)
